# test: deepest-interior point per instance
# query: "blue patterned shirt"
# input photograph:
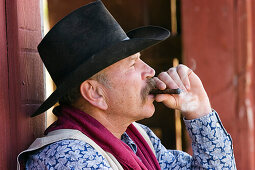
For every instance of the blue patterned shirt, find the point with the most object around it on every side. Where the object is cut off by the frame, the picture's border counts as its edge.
(211, 144)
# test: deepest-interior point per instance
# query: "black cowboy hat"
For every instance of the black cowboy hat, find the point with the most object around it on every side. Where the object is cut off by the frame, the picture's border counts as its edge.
(85, 42)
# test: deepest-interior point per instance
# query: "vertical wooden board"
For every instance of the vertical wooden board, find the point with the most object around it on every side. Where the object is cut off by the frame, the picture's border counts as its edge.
(31, 67)
(225, 103)
(32, 95)
(13, 76)
(229, 72)
(28, 11)
(29, 39)
(4, 99)
(245, 116)
(208, 41)
(32, 82)
(253, 46)
(23, 33)
(241, 154)
(253, 64)
(245, 52)
(209, 49)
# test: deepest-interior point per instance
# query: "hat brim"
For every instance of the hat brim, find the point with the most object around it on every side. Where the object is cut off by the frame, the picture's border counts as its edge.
(139, 39)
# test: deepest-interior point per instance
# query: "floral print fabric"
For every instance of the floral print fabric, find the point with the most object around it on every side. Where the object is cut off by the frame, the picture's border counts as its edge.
(211, 144)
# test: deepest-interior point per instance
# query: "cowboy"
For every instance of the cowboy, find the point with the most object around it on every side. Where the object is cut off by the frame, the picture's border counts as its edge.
(103, 87)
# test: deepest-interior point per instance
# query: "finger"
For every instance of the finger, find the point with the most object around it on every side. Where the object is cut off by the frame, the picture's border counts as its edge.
(159, 84)
(168, 100)
(170, 83)
(184, 72)
(175, 76)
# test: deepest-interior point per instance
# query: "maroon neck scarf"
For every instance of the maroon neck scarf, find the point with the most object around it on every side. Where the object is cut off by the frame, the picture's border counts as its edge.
(71, 118)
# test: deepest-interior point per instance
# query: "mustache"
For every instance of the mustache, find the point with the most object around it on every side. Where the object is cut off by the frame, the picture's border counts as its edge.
(150, 85)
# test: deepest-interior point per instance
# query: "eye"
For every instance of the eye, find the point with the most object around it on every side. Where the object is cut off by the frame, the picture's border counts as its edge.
(135, 64)
(132, 64)
(134, 61)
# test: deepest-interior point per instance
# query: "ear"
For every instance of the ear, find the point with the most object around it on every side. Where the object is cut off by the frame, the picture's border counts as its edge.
(92, 91)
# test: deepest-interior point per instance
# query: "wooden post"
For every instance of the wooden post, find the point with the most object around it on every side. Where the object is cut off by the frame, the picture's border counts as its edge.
(21, 78)
(4, 97)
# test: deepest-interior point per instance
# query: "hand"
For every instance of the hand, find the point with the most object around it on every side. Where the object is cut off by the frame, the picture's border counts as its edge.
(193, 101)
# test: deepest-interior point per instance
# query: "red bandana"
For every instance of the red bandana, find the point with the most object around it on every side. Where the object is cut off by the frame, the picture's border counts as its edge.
(71, 118)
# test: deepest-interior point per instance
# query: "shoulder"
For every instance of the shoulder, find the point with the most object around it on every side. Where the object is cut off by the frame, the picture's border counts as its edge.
(154, 139)
(156, 143)
(67, 154)
(168, 159)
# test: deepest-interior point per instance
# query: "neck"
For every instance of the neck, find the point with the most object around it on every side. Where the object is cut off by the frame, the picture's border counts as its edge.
(116, 125)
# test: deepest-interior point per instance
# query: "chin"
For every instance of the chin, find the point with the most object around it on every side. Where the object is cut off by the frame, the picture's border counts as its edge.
(146, 112)
(149, 111)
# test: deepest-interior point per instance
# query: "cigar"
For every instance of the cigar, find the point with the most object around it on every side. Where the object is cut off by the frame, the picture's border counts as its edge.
(166, 91)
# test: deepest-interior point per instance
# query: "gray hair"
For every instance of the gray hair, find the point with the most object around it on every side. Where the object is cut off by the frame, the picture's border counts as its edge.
(74, 94)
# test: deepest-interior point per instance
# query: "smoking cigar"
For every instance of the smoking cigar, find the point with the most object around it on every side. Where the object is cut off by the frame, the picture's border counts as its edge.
(166, 91)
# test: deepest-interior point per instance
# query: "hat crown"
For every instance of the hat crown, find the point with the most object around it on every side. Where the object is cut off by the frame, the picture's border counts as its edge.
(77, 37)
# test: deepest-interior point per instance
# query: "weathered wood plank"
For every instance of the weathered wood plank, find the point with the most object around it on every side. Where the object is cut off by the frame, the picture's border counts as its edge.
(22, 36)
(4, 97)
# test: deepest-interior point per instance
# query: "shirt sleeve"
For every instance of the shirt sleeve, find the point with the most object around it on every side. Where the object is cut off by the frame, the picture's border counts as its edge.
(67, 154)
(211, 145)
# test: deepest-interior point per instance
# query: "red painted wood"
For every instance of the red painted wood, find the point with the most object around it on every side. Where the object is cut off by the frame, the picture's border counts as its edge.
(207, 31)
(14, 88)
(21, 78)
(216, 38)
(253, 70)
(244, 51)
(4, 98)
(31, 80)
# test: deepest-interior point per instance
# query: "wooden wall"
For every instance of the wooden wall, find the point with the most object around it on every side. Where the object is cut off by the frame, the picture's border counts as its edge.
(21, 78)
(218, 43)
(4, 97)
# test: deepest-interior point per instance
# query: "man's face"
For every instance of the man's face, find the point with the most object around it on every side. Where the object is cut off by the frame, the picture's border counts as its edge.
(127, 93)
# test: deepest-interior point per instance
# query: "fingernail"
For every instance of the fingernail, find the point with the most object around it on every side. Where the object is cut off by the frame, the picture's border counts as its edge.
(162, 86)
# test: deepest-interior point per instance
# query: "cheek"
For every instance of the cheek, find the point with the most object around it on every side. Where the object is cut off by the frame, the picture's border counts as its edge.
(125, 97)
(126, 88)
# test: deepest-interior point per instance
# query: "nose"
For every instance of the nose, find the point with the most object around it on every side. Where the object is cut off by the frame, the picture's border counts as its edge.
(148, 71)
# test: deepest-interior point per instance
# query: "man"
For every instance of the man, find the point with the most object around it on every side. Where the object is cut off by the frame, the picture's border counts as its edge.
(103, 87)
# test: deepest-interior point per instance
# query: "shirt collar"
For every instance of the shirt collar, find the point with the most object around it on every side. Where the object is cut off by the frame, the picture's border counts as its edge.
(126, 139)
